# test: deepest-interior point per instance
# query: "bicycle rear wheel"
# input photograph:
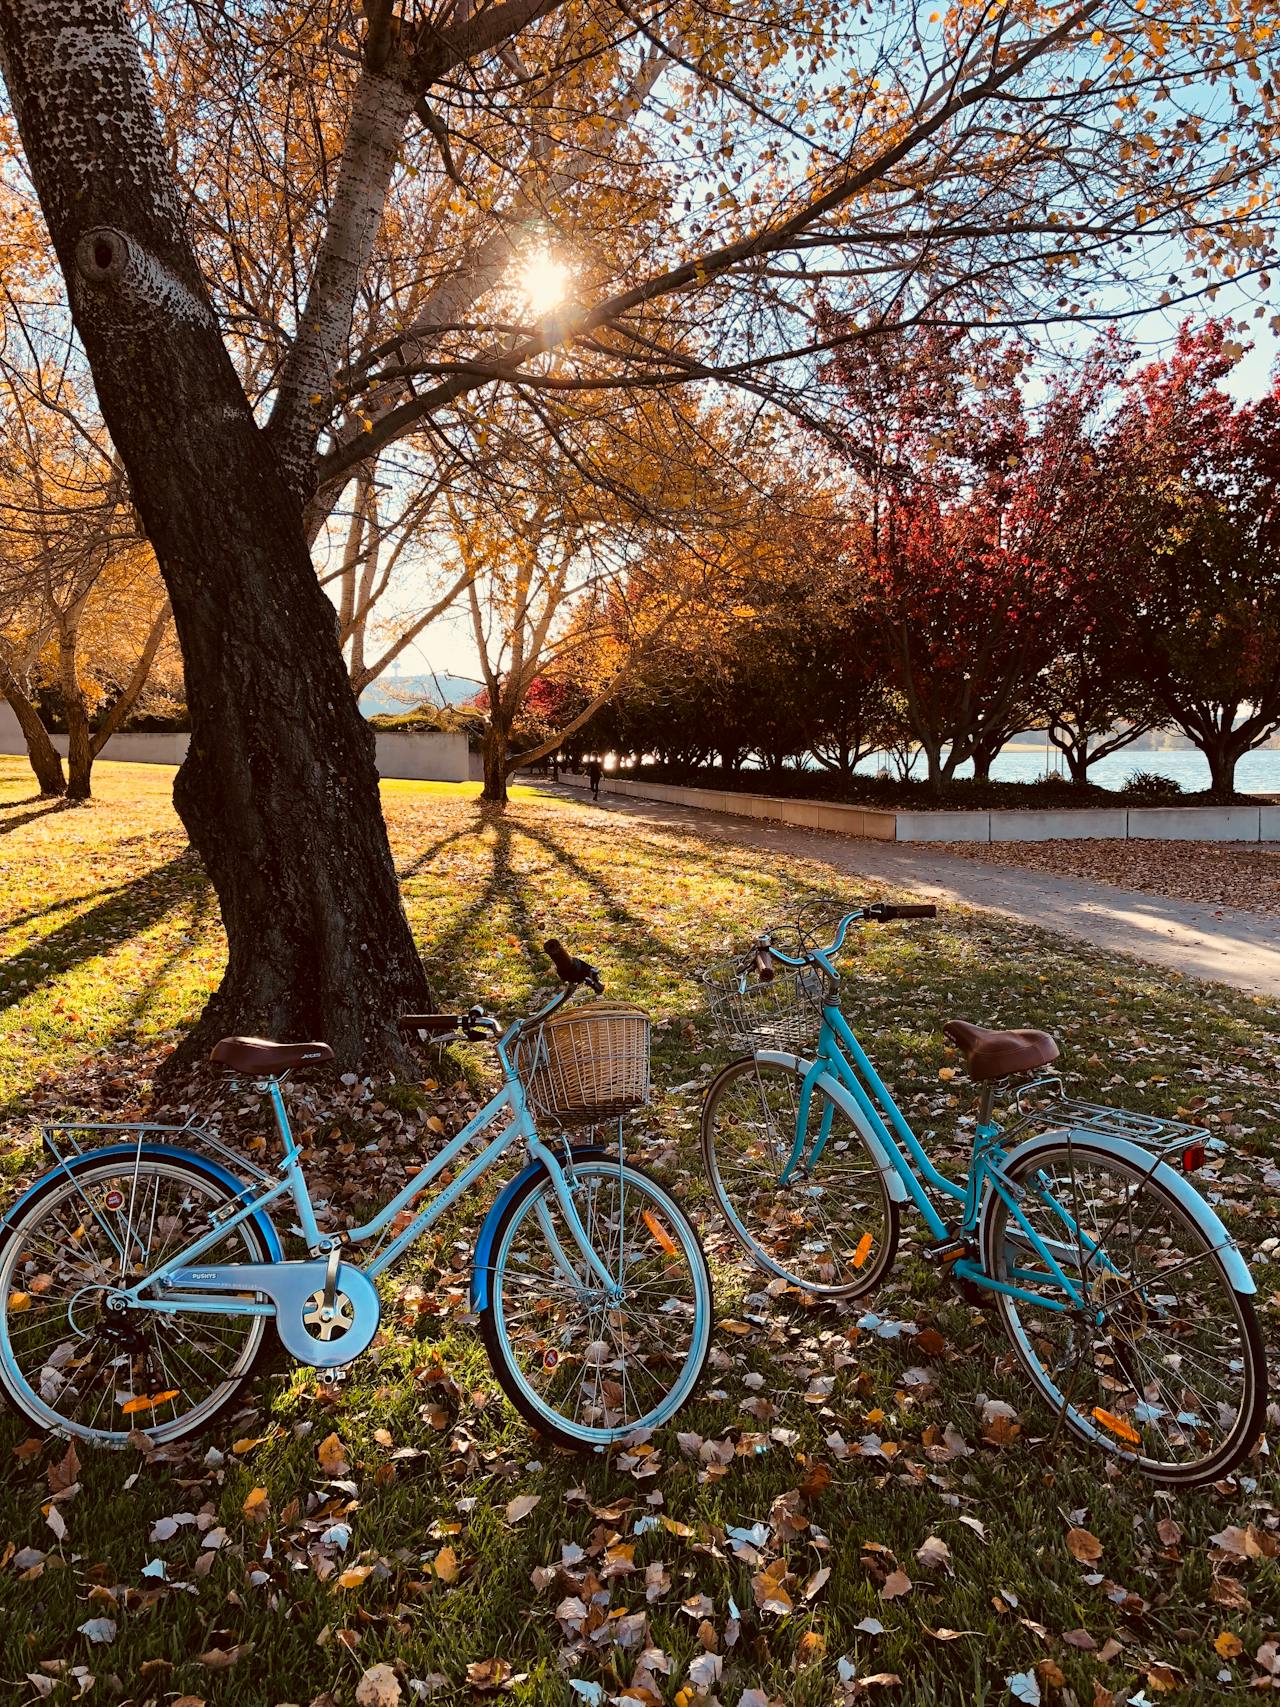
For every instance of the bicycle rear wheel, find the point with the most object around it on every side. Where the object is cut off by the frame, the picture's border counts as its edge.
(586, 1369)
(68, 1360)
(1163, 1364)
(831, 1230)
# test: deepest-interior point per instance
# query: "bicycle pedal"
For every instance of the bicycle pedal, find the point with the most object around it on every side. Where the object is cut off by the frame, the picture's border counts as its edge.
(946, 1251)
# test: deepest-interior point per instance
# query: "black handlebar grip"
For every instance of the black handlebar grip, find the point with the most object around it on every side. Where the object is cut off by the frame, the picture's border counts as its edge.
(913, 910)
(762, 960)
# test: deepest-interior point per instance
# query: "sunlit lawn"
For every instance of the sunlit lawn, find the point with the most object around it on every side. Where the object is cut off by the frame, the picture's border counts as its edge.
(108, 942)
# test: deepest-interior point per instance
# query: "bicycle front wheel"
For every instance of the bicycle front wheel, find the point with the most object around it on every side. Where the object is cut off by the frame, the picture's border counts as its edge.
(1162, 1364)
(830, 1227)
(68, 1360)
(585, 1366)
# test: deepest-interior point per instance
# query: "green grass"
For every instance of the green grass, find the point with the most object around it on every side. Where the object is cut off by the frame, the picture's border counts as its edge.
(109, 941)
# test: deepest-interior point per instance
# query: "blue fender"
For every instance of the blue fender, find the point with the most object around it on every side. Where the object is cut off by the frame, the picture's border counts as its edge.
(165, 1152)
(844, 1101)
(482, 1261)
(1179, 1187)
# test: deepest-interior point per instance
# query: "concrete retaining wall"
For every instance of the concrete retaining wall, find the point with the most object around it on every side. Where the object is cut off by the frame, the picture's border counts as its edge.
(1156, 823)
(413, 756)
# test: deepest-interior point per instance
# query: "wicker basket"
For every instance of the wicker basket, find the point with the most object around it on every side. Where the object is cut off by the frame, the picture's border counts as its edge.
(587, 1064)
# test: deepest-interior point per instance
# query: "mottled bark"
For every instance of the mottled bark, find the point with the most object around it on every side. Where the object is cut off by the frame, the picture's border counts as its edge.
(279, 790)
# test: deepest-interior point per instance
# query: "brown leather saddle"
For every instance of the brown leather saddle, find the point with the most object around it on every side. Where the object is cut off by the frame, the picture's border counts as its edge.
(259, 1055)
(1000, 1054)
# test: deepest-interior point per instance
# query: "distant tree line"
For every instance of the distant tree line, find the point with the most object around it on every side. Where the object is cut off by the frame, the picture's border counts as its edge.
(1097, 556)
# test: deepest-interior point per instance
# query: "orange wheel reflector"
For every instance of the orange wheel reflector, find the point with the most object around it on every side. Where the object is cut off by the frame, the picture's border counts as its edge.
(863, 1251)
(660, 1233)
(148, 1403)
(1118, 1426)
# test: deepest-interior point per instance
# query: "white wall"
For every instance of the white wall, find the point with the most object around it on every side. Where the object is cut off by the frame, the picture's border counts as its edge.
(417, 757)
(1163, 824)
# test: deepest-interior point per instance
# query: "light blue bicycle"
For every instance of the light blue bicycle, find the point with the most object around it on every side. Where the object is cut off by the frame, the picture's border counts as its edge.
(1124, 1296)
(139, 1275)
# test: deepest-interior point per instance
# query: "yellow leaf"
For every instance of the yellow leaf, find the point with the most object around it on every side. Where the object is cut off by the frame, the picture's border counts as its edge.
(18, 1302)
(255, 1505)
(1228, 1644)
(446, 1565)
(354, 1575)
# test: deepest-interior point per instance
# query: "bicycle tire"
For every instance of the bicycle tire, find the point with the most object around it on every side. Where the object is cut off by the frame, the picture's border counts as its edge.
(780, 1213)
(1136, 1391)
(544, 1335)
(18, 1298)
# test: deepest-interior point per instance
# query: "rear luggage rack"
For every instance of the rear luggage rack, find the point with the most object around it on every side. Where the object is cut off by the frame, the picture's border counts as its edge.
(68, 1139)
(1069, 1114)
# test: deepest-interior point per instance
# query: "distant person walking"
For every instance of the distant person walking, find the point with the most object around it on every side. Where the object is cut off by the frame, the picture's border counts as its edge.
(594, 774)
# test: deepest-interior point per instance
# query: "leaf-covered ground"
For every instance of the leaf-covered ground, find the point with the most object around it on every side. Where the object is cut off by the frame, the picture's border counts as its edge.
(843, 1510)
(1212, 874)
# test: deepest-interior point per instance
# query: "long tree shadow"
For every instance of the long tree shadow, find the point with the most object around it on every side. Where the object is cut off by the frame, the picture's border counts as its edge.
(127, 911)
(9, 825)
(691, 844)
(425, 858)
(503, 887)
(616, 911)
(60, 906)
(204, 909)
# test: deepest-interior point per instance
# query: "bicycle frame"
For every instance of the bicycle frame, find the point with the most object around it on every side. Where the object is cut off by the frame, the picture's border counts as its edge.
(511, 1101)
(841, 1059)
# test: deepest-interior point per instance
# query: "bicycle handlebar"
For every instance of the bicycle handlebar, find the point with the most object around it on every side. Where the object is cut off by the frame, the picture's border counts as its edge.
(879, 912)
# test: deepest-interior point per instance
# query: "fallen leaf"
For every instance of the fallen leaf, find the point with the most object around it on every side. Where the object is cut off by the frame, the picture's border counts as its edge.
(257, 1505)
(895, 1584)
(1083, 1547)
(521, 1506)
(934, 1554)
(222, 1659)
(379, 1687)
(331, 1455)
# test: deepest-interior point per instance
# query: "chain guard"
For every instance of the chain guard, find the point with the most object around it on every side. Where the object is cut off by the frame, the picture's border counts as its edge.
(297, 1289)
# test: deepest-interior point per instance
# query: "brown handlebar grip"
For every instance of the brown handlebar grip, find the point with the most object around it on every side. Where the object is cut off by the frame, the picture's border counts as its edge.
(763, 962)
(561, 959)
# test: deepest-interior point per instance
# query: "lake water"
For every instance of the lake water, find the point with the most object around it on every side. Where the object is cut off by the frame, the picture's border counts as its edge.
(1257, 773)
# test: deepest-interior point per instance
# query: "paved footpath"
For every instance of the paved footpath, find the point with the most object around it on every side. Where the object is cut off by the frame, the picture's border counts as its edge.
(1226, 944)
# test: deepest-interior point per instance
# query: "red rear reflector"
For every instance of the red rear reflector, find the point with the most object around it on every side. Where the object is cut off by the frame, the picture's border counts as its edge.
(1193, 1158)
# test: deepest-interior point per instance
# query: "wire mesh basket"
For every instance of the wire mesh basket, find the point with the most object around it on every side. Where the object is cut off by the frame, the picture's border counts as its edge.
(587, 1064)
(785, 1013)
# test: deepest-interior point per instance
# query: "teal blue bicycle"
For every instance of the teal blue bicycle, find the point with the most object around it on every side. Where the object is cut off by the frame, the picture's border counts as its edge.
(1126, 1300)
(139, 1275)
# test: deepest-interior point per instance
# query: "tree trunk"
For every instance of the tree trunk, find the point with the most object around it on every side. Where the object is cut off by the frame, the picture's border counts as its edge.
(1223, 756)
(76, 712)
(279, 791)
(44, 757)
(496, 750)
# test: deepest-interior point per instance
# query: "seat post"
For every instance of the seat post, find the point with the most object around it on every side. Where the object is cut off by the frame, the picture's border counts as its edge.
(986, 1098)
(282, 1118)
